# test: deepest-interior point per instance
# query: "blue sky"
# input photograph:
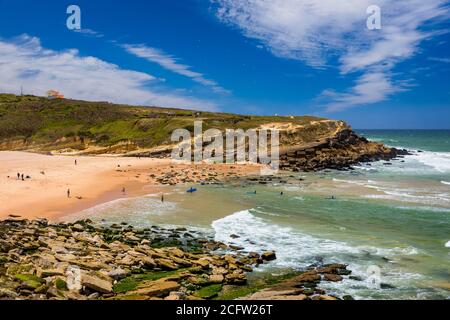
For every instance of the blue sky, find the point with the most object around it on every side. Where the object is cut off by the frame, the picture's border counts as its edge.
(260, 57)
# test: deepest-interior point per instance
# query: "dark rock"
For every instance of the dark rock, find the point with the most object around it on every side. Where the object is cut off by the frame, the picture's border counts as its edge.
(268, 256)
(332, 277)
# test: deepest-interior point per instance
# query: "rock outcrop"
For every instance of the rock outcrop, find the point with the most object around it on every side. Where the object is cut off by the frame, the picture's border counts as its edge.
(339, 152)
(304, 286)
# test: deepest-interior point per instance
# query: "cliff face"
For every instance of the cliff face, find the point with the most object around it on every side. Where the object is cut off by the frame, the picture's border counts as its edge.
(64, 126)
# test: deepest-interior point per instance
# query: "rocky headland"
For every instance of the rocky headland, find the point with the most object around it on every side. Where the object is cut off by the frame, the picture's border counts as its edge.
(73, 127)
(340, 152)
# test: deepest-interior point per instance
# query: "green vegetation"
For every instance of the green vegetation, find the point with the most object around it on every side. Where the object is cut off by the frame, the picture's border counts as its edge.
(30, 280)
(132, 282)
(257, 283)
(62, 123)
(208, 292)
(60, 284)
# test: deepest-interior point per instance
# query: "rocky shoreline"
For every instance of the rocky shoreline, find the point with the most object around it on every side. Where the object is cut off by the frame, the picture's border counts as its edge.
(340, 153)
(85, 261)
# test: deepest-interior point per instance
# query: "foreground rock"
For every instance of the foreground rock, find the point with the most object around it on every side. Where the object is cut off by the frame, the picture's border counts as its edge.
(84, 261)
(304, 286)
(80, 261)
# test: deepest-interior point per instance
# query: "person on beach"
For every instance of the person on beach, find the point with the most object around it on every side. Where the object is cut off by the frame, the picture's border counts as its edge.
(68, 193)
(23, 179)
(76, 162)
(162, 198)
(123, 190)
(18, 176)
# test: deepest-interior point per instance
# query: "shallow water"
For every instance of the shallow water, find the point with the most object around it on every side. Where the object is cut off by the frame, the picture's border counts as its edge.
(394, 218)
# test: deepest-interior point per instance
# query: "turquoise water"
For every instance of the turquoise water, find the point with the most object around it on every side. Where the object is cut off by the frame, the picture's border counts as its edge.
(394, 217)
(430, 140)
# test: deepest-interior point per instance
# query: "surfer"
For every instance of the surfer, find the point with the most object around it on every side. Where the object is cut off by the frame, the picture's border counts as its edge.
(191, 190)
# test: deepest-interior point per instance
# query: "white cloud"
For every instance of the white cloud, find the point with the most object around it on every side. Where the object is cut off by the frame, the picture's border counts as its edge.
(171, 63)
(370, 88)
(90, 33)
(24, 62)
(437, 59)
(319, 32)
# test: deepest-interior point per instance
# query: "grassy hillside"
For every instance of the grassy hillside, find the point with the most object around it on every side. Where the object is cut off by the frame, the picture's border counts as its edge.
(28, 122)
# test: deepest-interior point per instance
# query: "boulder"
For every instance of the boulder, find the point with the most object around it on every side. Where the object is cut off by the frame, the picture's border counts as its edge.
(308, 277)
(118, 273)
(175, 296)
(236, 278)
(216, 278)
(332, 277)
(166, 264)
(158, 288)
(181, 262)
(254, 255)
(268, 256)
(44, 273)
(78, 228)
(324, 297)
(202, 263)
(95, 283)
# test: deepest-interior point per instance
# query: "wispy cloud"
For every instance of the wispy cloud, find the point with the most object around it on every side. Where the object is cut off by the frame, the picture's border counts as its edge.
(24, 62)
(321, 32)
(437, 59)
(369, 88)
(171, 63)
(90, 33)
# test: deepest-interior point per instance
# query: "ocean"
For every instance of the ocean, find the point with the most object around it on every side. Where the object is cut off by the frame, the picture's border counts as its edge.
(389, 221)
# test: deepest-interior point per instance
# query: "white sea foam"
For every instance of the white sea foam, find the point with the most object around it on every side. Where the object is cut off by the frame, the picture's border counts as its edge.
(445, 182)
(422, 208)
(298, 250)
(439, 161)
(447, 245)
(406, 197)
(293, 248)
(392, 192)
(426, 162)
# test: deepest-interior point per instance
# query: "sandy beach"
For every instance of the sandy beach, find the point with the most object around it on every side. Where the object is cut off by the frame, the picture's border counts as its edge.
(91, 181)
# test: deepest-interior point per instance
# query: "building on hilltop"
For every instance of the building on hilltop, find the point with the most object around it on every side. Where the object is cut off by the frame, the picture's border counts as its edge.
(53, 94)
